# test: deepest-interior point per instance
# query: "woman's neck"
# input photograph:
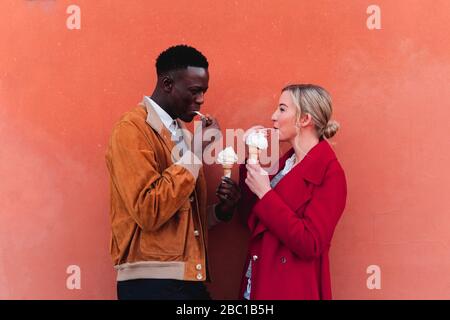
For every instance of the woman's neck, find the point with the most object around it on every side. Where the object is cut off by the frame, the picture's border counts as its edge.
(302, 145)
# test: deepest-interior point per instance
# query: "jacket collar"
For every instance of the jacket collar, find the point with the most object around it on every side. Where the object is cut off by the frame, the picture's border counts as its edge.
(314, 165)
(165, 118)
(155, 122)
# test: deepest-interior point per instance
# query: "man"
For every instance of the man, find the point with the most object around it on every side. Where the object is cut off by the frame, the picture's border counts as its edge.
(158, 190)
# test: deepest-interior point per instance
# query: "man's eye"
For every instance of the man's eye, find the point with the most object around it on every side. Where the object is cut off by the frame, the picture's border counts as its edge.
(282, 109)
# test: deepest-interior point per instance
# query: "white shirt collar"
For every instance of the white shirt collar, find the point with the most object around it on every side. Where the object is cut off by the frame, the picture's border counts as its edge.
(289, 164)
(166, 119)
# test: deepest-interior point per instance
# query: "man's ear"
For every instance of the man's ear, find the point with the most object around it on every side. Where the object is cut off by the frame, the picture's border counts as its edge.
(167, 83)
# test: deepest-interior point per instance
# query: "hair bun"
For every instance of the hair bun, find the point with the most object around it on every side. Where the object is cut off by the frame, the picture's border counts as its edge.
(331, 128)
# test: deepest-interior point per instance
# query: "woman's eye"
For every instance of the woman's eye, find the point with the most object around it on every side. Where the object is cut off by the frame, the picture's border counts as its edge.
(282, 109)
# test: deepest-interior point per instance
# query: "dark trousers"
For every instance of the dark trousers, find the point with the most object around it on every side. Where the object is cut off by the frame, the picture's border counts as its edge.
(161, 289)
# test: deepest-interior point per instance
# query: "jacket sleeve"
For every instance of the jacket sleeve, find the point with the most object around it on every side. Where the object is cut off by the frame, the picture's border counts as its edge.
(310, 235)
(248, 198)
(150, 197)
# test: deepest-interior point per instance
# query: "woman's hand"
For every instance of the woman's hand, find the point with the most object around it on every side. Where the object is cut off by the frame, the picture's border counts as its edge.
(257, 180)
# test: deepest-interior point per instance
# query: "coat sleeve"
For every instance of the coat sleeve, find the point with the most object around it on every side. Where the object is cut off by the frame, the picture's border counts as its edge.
(310, 235)
(150, 197)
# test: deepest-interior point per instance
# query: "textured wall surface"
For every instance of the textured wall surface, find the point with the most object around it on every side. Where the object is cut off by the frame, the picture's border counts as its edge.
(66, 78)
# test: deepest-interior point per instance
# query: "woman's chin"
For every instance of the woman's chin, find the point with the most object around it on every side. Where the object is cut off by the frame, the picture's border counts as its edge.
(281, 137)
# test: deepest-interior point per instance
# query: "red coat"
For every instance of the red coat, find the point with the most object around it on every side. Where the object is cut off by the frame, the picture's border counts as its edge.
(292, 227)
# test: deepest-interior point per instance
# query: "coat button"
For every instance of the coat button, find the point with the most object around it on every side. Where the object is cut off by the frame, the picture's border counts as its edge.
(198, 267)
(199, 276)
(196, 233)
(255, 257)
(283, 260)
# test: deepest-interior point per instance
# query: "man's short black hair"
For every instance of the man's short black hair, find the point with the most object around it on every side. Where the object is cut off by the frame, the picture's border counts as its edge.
(180, 57)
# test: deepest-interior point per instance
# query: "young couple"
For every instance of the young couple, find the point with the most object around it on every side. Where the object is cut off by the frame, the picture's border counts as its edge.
(159, 216)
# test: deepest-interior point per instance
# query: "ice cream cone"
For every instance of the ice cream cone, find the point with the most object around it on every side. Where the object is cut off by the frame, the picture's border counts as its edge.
(253, 154)
(227, 158)
(227, 169)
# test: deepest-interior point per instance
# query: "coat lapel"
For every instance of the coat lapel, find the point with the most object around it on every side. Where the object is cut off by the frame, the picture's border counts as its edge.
(297, 186)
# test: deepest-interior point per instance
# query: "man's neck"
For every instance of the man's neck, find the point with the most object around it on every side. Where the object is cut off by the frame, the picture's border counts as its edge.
(162, 103)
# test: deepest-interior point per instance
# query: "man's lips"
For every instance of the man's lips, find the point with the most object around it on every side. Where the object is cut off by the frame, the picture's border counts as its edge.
(198, 113)
(194, 110)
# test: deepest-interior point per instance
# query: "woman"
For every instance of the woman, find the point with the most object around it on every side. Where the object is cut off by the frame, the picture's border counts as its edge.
(293, 214)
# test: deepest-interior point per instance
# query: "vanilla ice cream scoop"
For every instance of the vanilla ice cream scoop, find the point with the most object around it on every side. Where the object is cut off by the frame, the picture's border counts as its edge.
(256, 142)
(227, 156)
(257, 139)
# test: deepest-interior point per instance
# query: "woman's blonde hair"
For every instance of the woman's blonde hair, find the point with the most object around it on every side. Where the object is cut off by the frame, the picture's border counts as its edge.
(316, 101)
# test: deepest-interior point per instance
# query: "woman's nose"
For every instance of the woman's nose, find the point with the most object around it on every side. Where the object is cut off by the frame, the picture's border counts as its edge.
(274, 116)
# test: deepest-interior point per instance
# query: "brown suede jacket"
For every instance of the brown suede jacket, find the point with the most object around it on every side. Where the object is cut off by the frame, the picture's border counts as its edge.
(158, 202)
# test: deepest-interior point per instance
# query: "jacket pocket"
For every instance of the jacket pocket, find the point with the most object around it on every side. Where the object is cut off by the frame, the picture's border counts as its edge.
(169, 239)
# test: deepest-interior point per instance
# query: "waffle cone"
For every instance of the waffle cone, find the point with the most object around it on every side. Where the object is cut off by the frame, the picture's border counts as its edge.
(227, 169)
(253, 155)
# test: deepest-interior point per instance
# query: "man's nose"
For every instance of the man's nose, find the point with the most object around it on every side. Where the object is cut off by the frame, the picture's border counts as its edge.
(200, 98)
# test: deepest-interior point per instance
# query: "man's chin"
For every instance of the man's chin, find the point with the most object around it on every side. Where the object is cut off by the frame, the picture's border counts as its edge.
(187, 117)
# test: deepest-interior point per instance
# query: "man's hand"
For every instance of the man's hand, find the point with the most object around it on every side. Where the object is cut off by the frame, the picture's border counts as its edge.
(210, 132)
(229, 194)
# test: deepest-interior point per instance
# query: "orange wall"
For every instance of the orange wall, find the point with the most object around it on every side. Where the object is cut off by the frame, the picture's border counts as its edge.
(62, 90)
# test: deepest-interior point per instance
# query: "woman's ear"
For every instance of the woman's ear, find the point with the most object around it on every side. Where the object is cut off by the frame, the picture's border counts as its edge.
(305, 120)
